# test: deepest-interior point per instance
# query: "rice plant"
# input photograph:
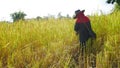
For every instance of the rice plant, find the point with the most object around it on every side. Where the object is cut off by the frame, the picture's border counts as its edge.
(52, 43)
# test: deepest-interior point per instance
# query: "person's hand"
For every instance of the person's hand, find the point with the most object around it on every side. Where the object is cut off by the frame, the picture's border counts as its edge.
(77, 33)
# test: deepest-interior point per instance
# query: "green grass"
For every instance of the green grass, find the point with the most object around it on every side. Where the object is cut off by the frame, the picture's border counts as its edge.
(52, 43)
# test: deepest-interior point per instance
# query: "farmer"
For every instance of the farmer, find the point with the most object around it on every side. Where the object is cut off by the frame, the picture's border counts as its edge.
(83, 27)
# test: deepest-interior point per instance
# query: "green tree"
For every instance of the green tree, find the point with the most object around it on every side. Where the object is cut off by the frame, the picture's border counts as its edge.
(113, 1)
(117, 5)
(59, 15)
(38, 17)
(16, 16)
(68, 16)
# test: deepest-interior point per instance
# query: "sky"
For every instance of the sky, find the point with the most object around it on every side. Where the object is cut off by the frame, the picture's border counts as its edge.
(34, 8)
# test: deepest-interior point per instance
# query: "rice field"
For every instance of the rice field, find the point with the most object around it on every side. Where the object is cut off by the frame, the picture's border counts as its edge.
(52, 43)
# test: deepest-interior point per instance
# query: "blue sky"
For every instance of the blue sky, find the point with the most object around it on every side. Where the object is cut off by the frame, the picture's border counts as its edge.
(34, 8)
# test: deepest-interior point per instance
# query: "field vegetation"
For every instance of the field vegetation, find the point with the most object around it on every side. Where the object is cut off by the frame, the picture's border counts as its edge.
(52, 43)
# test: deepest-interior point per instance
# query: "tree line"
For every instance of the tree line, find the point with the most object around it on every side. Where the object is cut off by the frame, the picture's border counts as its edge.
(16, 16)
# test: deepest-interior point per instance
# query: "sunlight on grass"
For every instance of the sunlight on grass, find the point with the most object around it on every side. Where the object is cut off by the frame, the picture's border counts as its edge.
(52, 43)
